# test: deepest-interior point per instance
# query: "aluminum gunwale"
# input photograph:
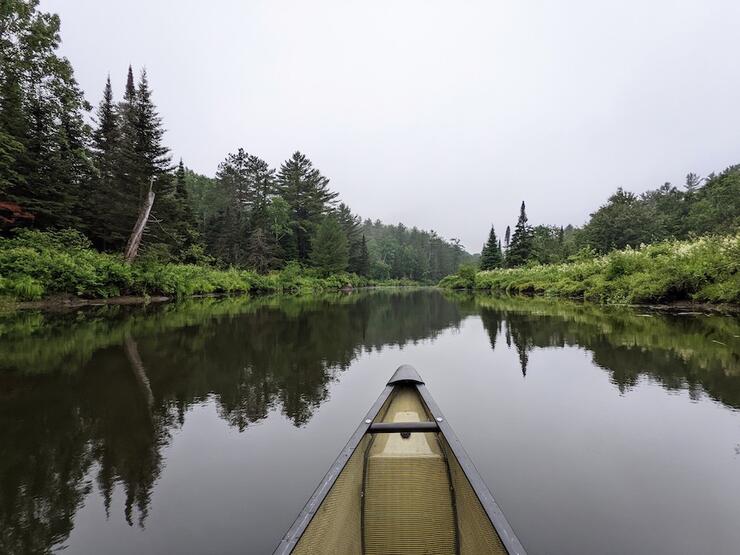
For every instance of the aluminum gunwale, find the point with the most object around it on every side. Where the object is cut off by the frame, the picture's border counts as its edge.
(495, 515)
(294, 533)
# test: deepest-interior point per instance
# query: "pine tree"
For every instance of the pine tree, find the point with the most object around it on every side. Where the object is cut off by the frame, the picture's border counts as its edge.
(262, 178)
(105, 136)
(307, 193)
(234, 180)
(247, 182)
(128, 121)
(124, 200)
(330, 253)
(484, 255)
(184, 224)
(491, 254)
(261, 252)
(520, 249)
(363, 261)
(181, 192)
(44, 140)
(12, 130)
(105, 143)
(153, 169)
(226, 236)
(507, 238)
(152, 156)
(693, 182)
(351, 227)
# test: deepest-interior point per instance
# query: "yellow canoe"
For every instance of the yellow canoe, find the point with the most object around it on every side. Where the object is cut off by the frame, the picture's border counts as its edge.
(402, 485)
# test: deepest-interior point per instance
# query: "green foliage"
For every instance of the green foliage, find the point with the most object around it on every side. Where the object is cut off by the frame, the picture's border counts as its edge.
(704, 270)
(667, 213)
(715, 208)
(43, 135)
(491, 256)
(58, 173)
(520, 249)
(623, 221)
(330, 252)
(397, 252)
(362, 262)
(307, 193)
(261, 252)
(36, 264)
(463, 279)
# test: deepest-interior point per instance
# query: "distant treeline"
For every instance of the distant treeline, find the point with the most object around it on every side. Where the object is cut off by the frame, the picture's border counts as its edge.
(59, 172)
(704, 205)
(252, 215)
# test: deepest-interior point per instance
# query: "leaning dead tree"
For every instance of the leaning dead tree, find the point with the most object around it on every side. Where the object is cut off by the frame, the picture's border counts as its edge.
(132, 353)
(132, 246)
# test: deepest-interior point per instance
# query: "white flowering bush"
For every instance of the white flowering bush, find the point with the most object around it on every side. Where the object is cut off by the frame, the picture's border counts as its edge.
(706, 269)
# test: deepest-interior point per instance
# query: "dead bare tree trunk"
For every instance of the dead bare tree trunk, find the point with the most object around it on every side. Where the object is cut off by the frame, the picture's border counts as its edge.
(132, 247)
(132, 353)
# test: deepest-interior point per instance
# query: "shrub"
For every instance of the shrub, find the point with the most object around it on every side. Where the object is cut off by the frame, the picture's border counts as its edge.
(34, 264)
(704, 269)
(463, 279)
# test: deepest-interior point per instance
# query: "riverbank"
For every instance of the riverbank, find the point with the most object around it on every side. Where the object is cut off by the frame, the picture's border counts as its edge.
(61, 269)
(705, 270)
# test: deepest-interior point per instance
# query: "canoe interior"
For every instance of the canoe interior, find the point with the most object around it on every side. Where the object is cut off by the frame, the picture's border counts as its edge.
(401, 495)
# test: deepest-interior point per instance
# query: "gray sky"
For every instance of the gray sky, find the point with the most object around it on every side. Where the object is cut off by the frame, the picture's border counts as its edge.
(443, 115)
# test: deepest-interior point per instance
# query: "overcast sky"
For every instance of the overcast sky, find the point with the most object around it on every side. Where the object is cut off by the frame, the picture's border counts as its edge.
(443, 115)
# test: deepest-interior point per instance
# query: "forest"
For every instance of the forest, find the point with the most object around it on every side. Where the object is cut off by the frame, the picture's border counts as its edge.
(702, 206)
(89, 175)
(77, 180)
(666, 245)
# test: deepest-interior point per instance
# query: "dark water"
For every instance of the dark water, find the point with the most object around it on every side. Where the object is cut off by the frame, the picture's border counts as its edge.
(202, 427)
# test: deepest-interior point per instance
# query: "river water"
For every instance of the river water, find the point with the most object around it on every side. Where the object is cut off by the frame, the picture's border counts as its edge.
(204, 426)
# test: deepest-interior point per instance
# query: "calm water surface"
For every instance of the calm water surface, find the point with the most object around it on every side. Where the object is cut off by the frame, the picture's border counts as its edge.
(203, 426)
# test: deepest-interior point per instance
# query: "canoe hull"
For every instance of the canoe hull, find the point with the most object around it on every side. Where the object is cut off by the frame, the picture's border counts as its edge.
(402, 484)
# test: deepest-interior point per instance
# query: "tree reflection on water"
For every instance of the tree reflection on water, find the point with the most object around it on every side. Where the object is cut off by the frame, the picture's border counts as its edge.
(92, 397)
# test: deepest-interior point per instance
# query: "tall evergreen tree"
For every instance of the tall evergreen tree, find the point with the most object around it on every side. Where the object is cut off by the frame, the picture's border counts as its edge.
(307, 193)
(226, 236)
(490, 257)
(262, 178)
(261, 252)
(363, 260)
(105, 146)
(181, 192)
(153, 169)
(248, 183)
(184, 225)
(351, 227)
(44, 139)
(235, 182)
(105, 135)
(507, 238)
(520, 249)
(128, 121)
(330, 253)
(124, 199)
(152, 155)
(13, 128)
(693, 182)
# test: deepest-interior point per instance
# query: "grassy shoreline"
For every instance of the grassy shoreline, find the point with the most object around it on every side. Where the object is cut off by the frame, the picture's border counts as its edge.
(61, 268)
(704, 270)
